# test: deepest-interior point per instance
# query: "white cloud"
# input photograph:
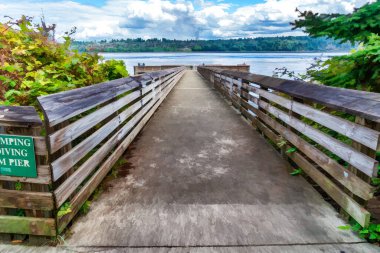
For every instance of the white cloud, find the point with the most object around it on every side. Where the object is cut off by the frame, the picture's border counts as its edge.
(173, 19)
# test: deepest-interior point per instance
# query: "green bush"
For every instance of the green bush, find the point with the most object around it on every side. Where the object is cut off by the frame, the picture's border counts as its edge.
(114, 69)
(361, 68)
(33, 64)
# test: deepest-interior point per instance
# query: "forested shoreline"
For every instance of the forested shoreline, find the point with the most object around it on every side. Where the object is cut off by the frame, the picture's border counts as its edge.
(262, 44)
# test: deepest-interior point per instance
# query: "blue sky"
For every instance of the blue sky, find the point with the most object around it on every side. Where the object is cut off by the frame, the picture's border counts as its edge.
(179, 19)
(97, 3)
(100, 3)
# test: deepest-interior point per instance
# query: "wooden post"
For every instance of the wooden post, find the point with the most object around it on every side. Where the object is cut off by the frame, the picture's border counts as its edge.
(212, 79)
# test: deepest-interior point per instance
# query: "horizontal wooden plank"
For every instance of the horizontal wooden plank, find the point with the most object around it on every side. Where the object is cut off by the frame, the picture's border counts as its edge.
(19, 116)
(240, 67)
(65, 105)
(267, 131)
(26, 200)
(172, 78)
(360, 103)
(356, 211)
(345, 201)
(359, 133)
(359, 160)
(43, 172)
(70, 184)
(169, 76)
(249, 117)
(86, 191)
(62, 106)
(245, 111)
(361, 215)
(163, 73)
(27, 225)
(340, 173)
(69, 159)
(74, 155)
(69, 133)
(344, 176)
(148, 69)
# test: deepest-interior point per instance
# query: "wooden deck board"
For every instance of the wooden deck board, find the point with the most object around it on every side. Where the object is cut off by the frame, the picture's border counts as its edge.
(321, 248)
(200, 176)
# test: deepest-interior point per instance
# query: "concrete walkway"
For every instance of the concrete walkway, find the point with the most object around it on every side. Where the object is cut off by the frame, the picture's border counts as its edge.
(202, 178)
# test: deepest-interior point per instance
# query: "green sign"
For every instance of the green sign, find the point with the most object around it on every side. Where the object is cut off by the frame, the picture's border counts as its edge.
(17, 156)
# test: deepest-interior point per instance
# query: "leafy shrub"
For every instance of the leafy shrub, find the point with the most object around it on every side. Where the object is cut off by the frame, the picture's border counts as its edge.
(64, 209)
(358, 70)
(361, 68)
(33, 64)
(114, 69)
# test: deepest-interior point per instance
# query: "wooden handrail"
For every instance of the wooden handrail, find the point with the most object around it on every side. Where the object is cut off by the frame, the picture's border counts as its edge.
(86, 131)
(20, 116)
(359, 103)
(64, 105)
(281, 110)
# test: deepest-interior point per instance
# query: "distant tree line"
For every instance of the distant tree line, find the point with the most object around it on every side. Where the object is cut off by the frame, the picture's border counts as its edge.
(289, 43)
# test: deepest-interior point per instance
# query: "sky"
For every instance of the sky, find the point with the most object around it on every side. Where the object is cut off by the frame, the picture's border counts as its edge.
(173, 19)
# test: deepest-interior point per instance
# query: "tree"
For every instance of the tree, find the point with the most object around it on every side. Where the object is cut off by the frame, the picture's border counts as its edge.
(33, 64)
(361, 68)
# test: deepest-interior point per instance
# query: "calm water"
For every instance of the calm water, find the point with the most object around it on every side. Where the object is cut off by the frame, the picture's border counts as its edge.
(261, 63)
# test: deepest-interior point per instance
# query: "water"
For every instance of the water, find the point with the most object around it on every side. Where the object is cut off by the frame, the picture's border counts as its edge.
(261, 63)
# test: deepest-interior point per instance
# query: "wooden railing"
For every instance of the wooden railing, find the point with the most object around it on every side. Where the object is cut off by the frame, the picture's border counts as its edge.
(304, 120)
(87, 131)
(140, 69)
(26, 204)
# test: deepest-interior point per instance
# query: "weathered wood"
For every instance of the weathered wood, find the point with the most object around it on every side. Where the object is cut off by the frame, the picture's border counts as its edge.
(71, 183)
(43, 172)
(356, 211)
(40, 147)
(267, 131)
(65, 105)
(27, 225)
(201, 203)
(245, 110)
(361, 134)
(26, 199)
(4, 237)
(144, 91)
(86, 191)
(34, 198)
(341, 174)
(361, 103)
(69, 159)
(69, 133)
(138, 70)
(235, 100)
(363, 162)
(344, 200)
(19, 116)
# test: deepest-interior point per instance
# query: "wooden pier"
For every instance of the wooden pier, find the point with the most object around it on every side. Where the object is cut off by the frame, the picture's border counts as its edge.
(210, 169)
